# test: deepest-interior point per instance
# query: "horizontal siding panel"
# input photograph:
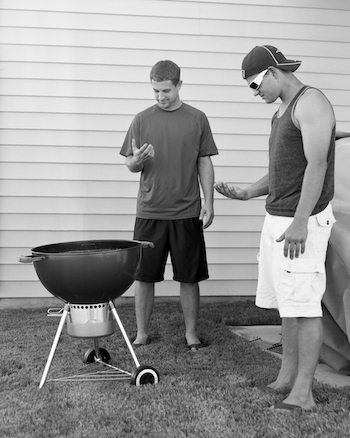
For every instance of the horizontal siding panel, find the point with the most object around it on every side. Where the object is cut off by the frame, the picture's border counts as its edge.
(114, 57)
(270, 13)
(19, 238)
(39, 154)
(146, 7)
(300, 4)
(107, 172)
(54, 154)
(90, 6)
(114, 72)
(241, 158)
(66, 171)
(108, 56)
(105, 122)
(342, 114)
(252, 142)
(35, 289)
(111, 200)
(55, 137)
(111, 122)
(32, 239)
(82, 222)
(122, 90)
(182, 25)
(313, 68)
(224, 206)
(65, 121)
(109, 222)
(86, 139)
(116, 107)
(232, 239)
(229, 256)
(205, 9)
(115, 206)
(135, 40)
(93, 22)
(41, 191)
(239, 175)
(263, 30)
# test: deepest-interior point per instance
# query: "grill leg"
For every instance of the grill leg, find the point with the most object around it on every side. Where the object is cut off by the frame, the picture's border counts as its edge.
(128, 343)
(97, 349)
(54, 345)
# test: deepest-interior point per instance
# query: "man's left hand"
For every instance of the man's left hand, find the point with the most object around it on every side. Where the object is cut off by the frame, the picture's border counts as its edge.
(206, 215)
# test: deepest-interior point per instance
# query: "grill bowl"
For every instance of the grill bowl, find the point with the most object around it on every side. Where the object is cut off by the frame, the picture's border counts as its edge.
(87, 272)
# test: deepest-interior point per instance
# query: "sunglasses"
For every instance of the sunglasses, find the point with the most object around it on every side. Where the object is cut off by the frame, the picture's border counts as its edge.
(258, 80)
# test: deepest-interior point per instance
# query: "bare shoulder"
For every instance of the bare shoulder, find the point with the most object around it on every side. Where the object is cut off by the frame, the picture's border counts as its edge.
(313, 104)
(314, 97)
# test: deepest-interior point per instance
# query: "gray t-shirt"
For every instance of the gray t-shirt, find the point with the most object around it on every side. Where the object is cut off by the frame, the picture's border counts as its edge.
(169, 187)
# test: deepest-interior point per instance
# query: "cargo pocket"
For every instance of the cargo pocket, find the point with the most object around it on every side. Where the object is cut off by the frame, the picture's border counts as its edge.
(298, 278)
(325, 221)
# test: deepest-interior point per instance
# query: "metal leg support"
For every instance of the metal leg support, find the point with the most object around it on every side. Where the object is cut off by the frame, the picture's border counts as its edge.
(54, 345)
(97, 349)
(128, 343)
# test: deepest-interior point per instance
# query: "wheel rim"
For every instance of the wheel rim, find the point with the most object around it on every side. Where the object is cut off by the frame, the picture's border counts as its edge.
(147, 377)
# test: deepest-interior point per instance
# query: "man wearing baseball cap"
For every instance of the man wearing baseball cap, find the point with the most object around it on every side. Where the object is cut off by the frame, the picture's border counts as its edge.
(299, 186)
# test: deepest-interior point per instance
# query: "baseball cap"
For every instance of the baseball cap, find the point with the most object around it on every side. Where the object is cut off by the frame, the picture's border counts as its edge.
(262, 57)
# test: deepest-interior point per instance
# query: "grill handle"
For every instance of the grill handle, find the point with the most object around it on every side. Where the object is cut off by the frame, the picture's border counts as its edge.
(31, 258)
(147, 244)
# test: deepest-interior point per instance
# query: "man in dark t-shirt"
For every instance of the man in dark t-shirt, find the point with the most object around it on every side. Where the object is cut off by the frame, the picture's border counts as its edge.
(171, 143)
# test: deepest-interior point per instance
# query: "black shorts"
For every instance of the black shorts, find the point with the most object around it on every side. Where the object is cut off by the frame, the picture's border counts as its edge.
(183, 239)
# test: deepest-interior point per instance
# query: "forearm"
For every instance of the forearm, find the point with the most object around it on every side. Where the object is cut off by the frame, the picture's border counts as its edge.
(311, 190)
(206, 178)
(259, 188)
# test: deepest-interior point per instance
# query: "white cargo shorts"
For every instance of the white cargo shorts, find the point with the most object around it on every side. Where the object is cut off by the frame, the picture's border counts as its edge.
(295, 287)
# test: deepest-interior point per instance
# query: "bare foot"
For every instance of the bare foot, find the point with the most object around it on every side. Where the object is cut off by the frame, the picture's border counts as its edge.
(279, 387)
(140, 340)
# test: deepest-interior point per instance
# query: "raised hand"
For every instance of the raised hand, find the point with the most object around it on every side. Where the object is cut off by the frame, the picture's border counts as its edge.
(230, 191)
(142, 154)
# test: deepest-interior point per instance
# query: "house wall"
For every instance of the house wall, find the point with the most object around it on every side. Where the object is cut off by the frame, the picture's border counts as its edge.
(75, 72)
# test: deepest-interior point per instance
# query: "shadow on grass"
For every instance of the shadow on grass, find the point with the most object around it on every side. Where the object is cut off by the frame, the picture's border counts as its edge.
(246, 313)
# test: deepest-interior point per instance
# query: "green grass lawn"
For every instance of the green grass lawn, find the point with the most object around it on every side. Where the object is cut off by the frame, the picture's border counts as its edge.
(209, 394)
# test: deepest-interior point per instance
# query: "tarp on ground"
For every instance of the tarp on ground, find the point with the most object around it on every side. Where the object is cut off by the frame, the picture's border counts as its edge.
(336, 301)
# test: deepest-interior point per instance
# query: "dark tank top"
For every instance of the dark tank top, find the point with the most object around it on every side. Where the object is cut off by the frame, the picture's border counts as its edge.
(287, 164)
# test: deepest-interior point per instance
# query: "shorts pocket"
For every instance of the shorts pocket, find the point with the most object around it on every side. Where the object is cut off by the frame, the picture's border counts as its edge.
(325, 221)
(298, 279)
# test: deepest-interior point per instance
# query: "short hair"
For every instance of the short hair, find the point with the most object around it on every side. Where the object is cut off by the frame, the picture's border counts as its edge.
(165, 71)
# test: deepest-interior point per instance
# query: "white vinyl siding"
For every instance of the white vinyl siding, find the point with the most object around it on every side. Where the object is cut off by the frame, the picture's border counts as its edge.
(75, 72)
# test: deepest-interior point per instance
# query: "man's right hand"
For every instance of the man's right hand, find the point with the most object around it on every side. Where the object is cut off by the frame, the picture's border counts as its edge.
(145, 153)
(230, 191)
(139, 156)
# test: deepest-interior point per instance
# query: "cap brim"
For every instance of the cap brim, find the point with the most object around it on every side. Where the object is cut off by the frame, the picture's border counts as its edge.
(290, 66)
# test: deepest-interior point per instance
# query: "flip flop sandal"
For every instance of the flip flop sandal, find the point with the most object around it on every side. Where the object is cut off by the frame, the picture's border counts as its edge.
(196, 347)
(280, 406)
